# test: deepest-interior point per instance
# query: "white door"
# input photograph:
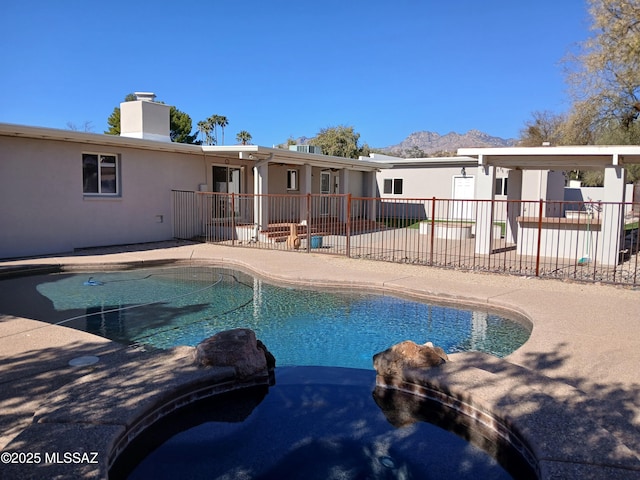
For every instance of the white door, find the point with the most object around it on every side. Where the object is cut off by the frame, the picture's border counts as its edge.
(463, 189)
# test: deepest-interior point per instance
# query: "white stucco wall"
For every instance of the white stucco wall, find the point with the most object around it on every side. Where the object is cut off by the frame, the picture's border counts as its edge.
(43, 209)
(593, 194)
(419, 182)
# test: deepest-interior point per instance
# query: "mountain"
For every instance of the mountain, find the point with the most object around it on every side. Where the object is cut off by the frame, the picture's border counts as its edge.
(431, 142)
(425, 143)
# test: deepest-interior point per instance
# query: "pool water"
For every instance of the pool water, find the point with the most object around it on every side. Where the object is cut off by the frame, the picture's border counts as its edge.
(315, 423)
(166, 307)
(306, 425)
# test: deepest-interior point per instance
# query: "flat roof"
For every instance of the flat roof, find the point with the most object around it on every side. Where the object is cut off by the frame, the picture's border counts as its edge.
(558, 158)
(292, 157)
(433, 162)
(246, 152)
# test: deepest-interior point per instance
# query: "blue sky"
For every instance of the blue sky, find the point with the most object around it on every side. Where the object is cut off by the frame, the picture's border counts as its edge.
(287, 68)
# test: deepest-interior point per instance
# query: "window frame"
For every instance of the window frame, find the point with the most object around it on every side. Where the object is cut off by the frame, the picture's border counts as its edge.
(500, 186)
(100, 181)
(398, 186)
(292, 179)
(393, 186)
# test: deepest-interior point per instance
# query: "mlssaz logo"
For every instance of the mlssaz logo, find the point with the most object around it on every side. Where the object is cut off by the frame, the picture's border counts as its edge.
(71, 457)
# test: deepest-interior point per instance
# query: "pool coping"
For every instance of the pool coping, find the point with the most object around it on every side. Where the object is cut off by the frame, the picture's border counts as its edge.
(535, 404)
(81, 428)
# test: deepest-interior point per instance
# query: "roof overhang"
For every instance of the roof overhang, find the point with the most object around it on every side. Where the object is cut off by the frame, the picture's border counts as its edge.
(22, 131)
(291, 157)
(434, 162)
(555, 158)
(246, 152)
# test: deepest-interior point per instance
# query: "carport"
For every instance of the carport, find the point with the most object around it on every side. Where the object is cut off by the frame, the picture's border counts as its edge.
(611, 159)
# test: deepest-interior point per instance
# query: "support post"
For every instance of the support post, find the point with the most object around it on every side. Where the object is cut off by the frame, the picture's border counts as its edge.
(514, 197)
(485, 184)
(612, 216)
(305, 188)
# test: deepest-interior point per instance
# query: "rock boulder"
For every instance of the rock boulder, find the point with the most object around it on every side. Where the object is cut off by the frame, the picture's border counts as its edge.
(237, 348)
(407, 355)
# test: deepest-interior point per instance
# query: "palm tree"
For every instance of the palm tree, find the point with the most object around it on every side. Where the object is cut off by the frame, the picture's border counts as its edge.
(213, 121)
(223, 122)
(243, 137)
(204, 127)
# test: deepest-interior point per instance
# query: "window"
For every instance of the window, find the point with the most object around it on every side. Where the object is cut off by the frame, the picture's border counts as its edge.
(100, 174)
(501, 186)
(292, 179)
(392, 186)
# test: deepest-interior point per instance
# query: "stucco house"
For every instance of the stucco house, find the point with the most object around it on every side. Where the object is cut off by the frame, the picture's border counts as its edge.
(62, 190)
(487, 187)
(452, 178)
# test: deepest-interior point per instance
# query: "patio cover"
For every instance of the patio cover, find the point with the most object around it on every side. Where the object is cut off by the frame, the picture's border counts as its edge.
(609, 158)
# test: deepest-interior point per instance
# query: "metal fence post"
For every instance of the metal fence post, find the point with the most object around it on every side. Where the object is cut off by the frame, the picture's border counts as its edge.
(433, 228)
(308, 222)
(539, 238)
(233, 219)
(348, 225)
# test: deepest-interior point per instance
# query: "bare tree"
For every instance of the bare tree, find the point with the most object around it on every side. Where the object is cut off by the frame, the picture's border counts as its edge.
(544, 127)
(87, 126)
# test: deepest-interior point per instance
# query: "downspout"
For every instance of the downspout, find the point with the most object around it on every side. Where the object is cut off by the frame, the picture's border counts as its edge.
(257, 199)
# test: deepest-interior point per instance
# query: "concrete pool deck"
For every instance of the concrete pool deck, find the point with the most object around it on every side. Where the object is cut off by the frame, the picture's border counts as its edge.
(583, 354)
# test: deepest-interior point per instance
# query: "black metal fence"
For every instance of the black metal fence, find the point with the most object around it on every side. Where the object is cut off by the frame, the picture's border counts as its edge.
(585, 241)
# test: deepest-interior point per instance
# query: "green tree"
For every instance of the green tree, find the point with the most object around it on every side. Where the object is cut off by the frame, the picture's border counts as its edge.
(340, 141)
(204, 127)
(592, 178)
(114, 119)
(180, 127)
(605, 76)
(442, 153)
(290, 141)
(414, 152)
(212, 123)
(179, 123)
(244, 137)
(222, 121)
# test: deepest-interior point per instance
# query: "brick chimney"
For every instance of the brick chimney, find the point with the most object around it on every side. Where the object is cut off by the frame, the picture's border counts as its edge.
(144, 118)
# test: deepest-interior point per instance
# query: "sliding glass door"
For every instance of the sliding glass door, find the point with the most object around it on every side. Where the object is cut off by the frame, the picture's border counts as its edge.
(226, 179)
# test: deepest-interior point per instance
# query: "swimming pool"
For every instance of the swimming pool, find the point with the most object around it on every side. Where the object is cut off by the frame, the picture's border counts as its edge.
(182, 305)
